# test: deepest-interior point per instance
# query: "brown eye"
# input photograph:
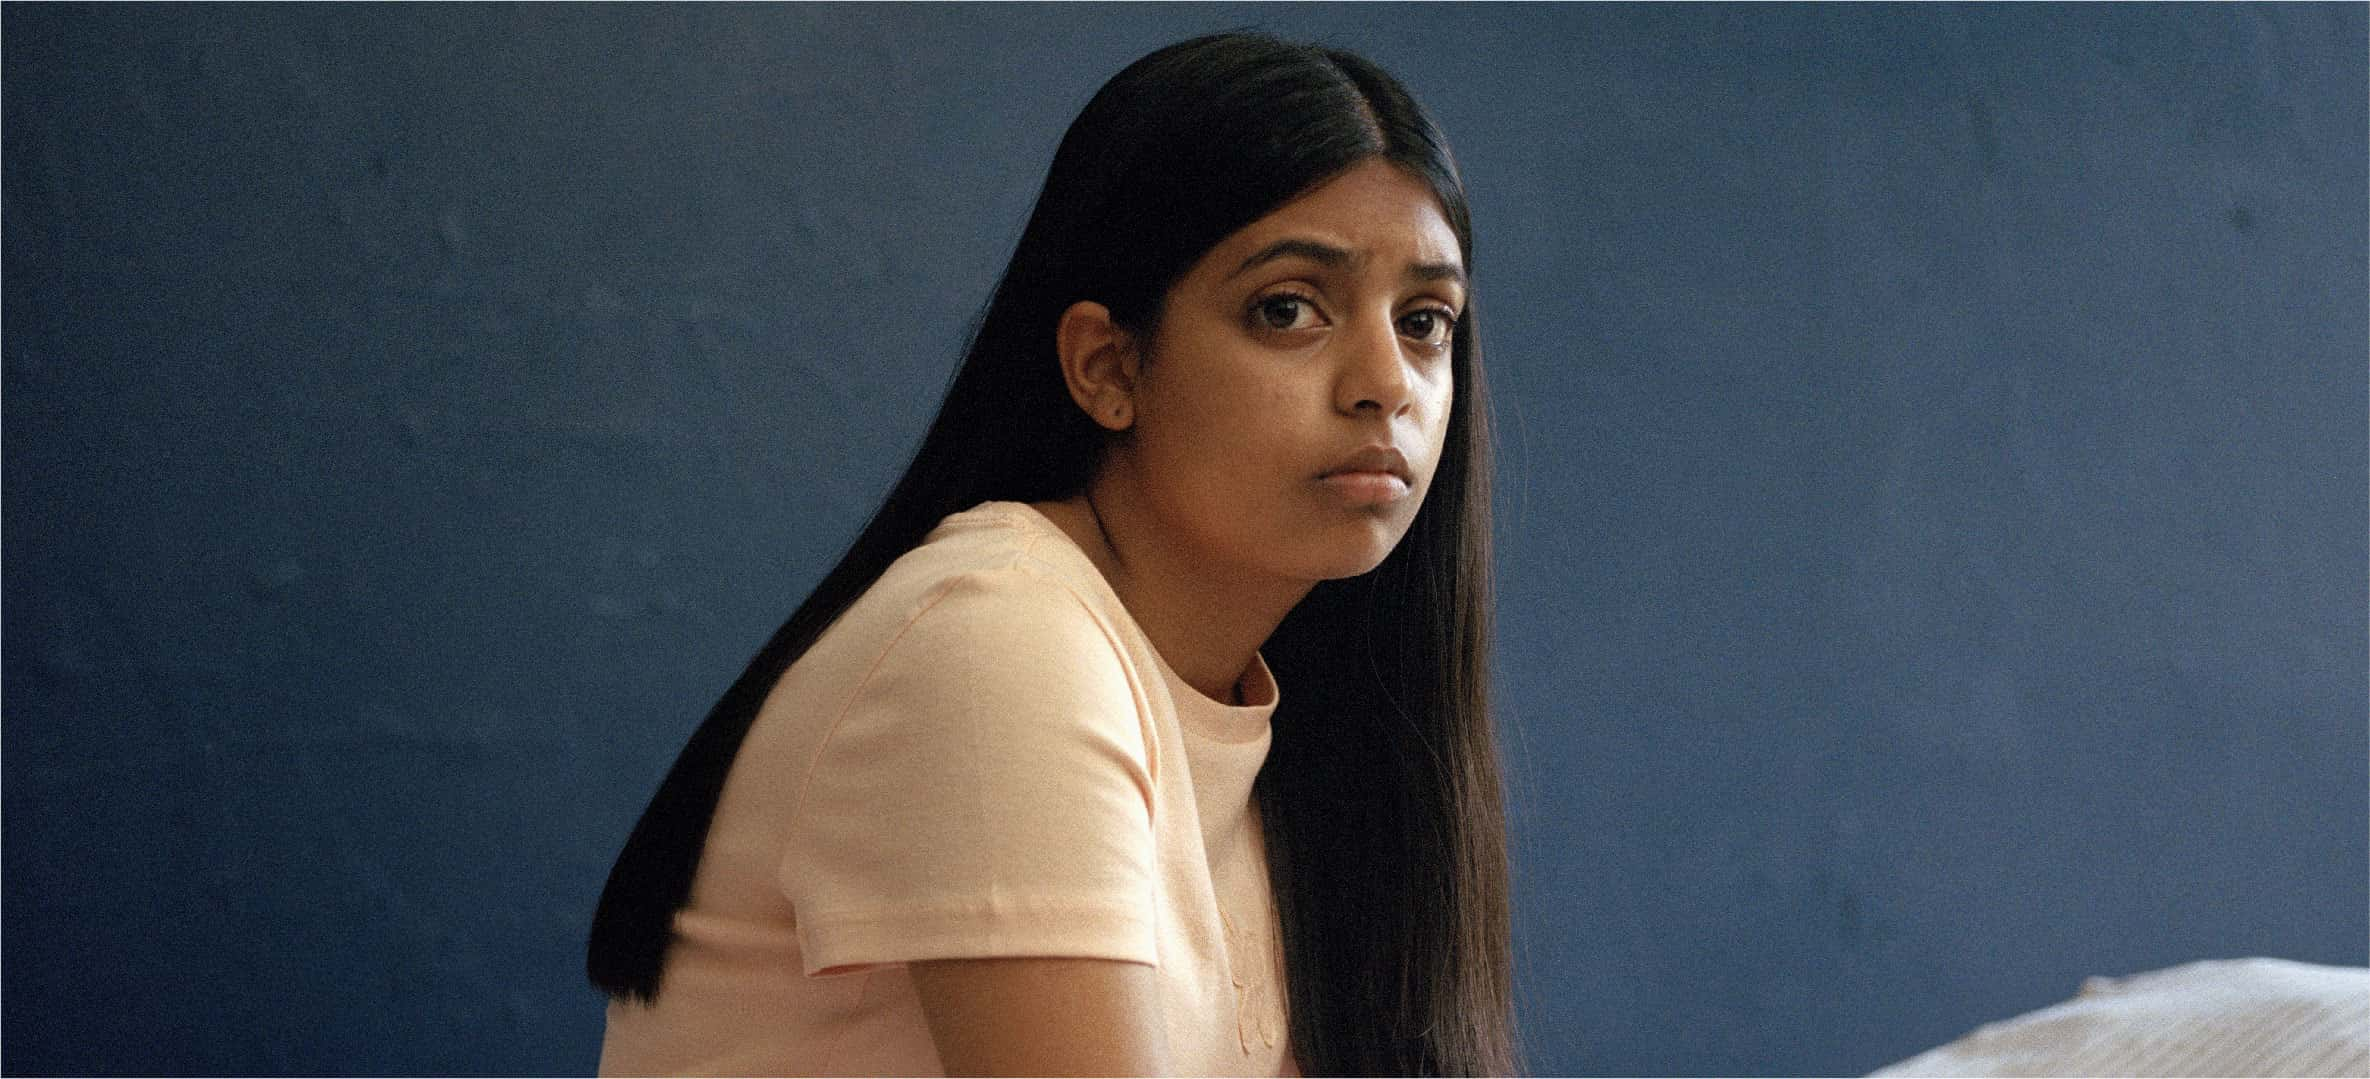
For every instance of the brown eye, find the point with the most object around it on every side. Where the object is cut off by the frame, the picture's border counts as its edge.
(1280, 312)
(1431, 325)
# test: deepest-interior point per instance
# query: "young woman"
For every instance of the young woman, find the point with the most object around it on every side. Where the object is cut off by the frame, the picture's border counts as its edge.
(1145, 729)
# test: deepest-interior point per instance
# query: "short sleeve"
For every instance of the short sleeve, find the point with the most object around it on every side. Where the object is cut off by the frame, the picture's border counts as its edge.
(987, 792)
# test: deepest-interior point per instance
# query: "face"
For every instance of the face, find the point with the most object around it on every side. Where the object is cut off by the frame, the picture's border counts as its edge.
(1285, 359)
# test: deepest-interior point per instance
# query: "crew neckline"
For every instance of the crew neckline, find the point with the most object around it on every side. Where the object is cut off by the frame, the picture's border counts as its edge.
(1203, 715)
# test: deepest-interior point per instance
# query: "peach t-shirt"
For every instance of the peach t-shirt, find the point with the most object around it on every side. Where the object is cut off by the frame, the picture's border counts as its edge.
(982, 757)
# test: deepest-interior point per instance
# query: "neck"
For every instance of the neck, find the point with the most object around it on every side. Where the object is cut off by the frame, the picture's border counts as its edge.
(1207, 618)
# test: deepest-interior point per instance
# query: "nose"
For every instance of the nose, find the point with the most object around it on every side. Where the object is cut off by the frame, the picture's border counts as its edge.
(1373, 374)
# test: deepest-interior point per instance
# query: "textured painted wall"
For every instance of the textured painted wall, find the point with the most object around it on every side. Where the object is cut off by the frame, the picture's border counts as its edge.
(1933, 470)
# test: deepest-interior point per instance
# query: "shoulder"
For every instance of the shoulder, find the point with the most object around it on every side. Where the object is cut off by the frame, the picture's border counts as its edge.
(992, 572)
(987, 608)
(1016, 615)
(979, 568)
(978, 668)
(979, 634)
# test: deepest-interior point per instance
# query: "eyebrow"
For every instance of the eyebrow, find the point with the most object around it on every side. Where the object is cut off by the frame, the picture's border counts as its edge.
(1334, 258)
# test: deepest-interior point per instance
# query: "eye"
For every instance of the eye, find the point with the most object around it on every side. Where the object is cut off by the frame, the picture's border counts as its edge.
(1431, 325)
(1283, 311)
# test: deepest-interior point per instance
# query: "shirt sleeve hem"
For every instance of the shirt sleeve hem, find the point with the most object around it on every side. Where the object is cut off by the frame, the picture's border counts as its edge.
(853, 941)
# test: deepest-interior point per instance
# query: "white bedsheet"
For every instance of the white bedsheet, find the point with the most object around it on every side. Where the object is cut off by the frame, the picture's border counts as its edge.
(2234, 1017)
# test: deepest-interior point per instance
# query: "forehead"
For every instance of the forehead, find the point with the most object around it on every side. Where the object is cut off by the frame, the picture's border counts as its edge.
(1378, 212)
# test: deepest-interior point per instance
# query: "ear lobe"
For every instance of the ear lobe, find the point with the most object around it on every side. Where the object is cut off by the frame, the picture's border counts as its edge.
(1098, 360)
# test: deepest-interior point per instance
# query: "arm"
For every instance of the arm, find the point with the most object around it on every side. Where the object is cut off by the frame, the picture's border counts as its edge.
(1031, 1016)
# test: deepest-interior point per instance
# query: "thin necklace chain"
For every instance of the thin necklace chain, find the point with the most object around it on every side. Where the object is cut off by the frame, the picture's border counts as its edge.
(1236, 690)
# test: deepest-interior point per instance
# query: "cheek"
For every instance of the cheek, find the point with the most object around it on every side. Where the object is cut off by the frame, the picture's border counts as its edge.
(1438, 408)
(1223, 424)
(1239, 442)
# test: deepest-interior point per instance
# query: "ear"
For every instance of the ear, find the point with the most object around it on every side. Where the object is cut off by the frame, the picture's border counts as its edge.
(1100, 363)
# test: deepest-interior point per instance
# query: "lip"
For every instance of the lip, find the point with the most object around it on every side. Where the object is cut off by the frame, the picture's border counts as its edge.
(1367, 487)
(1377, 457)
(1377, 473)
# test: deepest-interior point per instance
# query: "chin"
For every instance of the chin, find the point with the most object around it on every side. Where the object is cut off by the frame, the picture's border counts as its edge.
(1359, 550)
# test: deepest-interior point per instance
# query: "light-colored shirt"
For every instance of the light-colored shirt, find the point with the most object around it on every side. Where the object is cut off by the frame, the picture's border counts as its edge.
(983, 756)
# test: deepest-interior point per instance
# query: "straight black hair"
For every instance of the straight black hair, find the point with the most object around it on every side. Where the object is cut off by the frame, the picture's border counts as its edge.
(1381, 797)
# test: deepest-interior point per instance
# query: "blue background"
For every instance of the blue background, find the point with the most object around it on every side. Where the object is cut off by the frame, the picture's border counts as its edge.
(1933, 487)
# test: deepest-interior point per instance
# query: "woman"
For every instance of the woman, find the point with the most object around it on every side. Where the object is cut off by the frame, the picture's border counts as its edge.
(1145, 727)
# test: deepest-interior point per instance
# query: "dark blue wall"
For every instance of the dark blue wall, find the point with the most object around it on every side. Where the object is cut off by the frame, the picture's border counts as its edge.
(1933, 487)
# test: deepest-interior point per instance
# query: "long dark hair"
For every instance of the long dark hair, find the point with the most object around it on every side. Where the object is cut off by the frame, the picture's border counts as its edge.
(1381, 797)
